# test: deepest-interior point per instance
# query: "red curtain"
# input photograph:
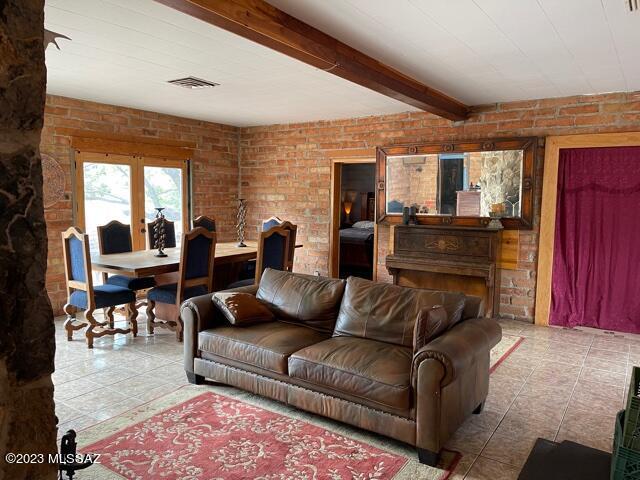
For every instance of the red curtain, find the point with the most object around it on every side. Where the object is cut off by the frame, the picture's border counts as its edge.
(596, 264)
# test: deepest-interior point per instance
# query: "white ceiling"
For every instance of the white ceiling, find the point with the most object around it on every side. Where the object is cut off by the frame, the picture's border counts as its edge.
(479, 51)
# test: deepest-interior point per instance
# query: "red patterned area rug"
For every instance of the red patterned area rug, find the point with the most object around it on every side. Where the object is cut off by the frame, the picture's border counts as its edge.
(212, 433)
(214, 436)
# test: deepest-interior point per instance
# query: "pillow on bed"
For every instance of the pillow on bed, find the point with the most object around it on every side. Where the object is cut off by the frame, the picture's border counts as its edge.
(363, 224)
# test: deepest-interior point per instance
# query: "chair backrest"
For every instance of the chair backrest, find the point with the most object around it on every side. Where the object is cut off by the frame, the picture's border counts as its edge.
(273, 250)
(114, 237)
(271, 222)
(77, 262)
(169, 233)
(197, 254)
(205, 222)
(293, 230)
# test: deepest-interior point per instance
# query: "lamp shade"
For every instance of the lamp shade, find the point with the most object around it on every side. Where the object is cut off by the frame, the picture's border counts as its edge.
(347, 207)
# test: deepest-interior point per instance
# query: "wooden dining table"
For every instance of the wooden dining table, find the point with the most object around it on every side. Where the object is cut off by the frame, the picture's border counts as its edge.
(144, 263)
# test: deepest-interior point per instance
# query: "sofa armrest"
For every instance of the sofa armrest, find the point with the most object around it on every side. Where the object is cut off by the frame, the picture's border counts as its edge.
(197, 314)
(458, 348)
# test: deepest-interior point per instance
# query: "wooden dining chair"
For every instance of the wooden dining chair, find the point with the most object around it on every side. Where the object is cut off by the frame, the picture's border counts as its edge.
(273, 252)
(195, 277)
(115, 237)
(272, 221)
(169, 232)
(205, 222)
(81, 293)
(293, 231)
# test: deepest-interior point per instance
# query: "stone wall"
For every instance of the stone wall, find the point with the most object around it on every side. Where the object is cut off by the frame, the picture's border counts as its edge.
(499, 178)
(27, 420)
(214, 165)
(286, 169)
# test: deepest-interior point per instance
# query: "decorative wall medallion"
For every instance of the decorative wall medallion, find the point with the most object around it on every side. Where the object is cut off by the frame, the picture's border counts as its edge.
(446, 220)
(527, 183)
(54, 180)
(488, 146)
(381, 184)
(413, 149)
(447, 147)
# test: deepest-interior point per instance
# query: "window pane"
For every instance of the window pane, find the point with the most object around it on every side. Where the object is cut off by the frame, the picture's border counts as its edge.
(163, 188)
(107, 197)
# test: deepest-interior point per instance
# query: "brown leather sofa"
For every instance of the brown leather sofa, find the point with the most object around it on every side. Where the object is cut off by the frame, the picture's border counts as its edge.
(406, 363)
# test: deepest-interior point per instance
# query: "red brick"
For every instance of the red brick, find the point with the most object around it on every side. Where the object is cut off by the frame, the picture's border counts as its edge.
(580, 109)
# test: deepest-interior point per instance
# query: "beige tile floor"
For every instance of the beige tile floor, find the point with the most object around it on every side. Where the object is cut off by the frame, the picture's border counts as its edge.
(559, 384)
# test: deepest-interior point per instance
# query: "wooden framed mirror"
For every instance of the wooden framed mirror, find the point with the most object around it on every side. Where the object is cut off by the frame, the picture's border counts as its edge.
(462, 183)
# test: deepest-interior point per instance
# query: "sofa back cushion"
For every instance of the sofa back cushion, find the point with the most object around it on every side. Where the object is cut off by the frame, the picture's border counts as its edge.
(385, 312)
(306, 299)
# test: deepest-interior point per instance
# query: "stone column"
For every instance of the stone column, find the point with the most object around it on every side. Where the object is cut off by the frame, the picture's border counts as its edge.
(27, 346)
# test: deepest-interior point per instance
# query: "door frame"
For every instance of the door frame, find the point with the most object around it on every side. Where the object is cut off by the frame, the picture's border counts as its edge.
(553, 145)
(338, 159)
(137, 164)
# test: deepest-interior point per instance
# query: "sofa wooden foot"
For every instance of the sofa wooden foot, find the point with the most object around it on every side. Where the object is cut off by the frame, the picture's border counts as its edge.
(427, 457)
(479, 409)
(194, 378)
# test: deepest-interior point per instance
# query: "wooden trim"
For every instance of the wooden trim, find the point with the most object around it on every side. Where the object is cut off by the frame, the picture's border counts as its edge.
(334, 221)
(528, 144)
(99, 142)
(355, 154)
(549, 200)
(346, 157)
(260, 22)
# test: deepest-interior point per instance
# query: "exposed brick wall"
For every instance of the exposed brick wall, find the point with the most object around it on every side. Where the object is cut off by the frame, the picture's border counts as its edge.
(410, 181)
(285, 169)
(214, 165)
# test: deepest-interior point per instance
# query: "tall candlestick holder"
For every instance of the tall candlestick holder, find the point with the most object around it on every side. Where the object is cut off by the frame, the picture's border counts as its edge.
(159, 234)
(241, 217)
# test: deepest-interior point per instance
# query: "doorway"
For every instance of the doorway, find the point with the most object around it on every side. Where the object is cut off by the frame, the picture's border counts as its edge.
(128, 189)
(590, 215)
(353, 245)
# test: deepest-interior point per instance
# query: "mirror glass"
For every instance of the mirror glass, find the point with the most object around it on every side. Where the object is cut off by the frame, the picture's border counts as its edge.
(476, 184)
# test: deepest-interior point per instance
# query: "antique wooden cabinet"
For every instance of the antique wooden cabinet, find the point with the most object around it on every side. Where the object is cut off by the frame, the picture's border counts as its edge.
(448, 258)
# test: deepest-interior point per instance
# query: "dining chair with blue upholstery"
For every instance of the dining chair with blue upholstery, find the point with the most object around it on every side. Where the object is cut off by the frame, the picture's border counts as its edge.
(169, 234)
(273, 252)
(195, 277)
(81, 293)
(271, 222)
(115, 237)
(205, 222)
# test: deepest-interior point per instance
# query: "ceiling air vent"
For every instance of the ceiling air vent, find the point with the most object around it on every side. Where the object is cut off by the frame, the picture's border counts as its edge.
(193, 82)
(634, 5)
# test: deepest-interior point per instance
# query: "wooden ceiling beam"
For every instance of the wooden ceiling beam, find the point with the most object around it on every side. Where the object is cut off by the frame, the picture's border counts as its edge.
(262, 23)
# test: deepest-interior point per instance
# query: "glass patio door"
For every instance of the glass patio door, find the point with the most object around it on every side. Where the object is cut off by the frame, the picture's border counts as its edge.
(128, 189)
(165, 186)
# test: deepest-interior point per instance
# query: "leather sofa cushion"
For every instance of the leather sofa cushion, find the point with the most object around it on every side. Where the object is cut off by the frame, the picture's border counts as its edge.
(385, 312)
(375, 371)
(307, 299)
(263, 345)
(242, 308)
